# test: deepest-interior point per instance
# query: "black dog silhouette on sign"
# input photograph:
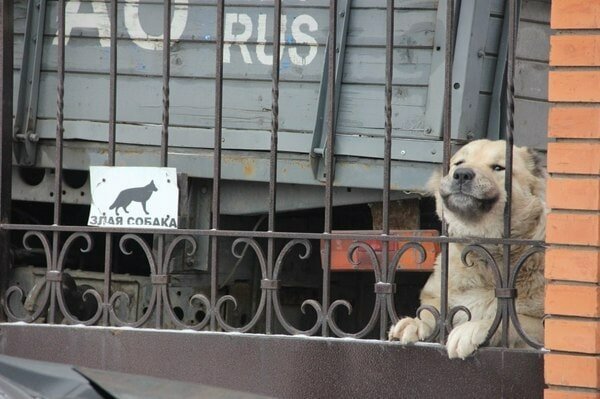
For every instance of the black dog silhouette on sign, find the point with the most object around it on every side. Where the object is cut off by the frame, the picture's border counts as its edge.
(137, 194)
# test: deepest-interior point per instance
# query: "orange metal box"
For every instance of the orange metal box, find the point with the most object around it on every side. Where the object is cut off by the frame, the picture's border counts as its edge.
(408, 262)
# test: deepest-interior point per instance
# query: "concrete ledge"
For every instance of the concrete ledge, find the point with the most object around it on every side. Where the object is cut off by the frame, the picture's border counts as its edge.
(283, 366)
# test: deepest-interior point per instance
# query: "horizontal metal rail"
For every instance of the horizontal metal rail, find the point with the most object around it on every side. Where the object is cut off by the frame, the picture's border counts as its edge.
(276, 234)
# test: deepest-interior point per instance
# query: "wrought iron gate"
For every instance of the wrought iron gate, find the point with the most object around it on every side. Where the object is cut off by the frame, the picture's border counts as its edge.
(56, 241)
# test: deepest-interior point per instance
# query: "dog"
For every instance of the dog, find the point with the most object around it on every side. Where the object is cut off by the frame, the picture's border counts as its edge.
(137, 194)
(471, 199)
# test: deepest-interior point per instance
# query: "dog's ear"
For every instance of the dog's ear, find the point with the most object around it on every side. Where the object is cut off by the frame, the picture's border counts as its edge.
(535, 163)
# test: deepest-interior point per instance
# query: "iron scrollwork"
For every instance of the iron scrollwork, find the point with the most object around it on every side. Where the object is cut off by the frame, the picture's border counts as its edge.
(490, 262)
(159, 277)
(53, 283)
(18, 291)
(249, 242)
(512, 284)
(90, 292)
(384, 287)
(506, 290)
(196, 300)
(315, 305)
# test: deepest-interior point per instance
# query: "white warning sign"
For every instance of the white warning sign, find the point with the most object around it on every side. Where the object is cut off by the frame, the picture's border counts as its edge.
(134, 197)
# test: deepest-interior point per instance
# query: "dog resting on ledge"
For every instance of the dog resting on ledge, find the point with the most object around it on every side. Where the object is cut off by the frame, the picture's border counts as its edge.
(471, 200)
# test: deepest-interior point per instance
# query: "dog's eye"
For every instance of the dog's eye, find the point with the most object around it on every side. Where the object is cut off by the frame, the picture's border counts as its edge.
(458, 163)
(498, 168)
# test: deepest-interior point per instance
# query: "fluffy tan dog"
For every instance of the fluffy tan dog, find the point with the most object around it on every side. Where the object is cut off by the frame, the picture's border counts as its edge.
(471, 199)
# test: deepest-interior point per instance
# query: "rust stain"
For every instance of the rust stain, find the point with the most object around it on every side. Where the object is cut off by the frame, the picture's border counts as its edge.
(249, 168)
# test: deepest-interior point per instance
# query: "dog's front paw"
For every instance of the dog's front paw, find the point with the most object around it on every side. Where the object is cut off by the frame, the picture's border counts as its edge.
(466, 338)
(409, 331)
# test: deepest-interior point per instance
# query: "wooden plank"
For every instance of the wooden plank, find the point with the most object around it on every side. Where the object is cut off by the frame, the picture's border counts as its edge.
(399, 4)
(246, 103)
(423, 4)
(179, 136)
(191, 22)
(367, 65)
(413, 27)
(362, 110)
(362, 64)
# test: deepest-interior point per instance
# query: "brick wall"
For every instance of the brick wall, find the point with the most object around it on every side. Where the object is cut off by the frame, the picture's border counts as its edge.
(572, 368)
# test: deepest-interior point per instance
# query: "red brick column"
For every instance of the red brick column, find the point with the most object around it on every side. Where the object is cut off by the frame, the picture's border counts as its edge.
(572, 368)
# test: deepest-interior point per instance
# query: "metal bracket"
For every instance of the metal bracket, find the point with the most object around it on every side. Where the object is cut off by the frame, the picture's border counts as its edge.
(434, 108)
(27, 103)
(319, 140)
(467, 69)
(496, 121)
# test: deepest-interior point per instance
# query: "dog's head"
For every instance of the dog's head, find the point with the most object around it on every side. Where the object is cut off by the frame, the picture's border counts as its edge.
(471, 197)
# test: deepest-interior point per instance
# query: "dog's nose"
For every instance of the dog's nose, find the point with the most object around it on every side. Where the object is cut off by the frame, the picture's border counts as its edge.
(463, 175)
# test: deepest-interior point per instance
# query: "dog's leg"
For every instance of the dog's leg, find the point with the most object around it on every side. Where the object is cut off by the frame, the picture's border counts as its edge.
(467, 337)
(144, 207)
(410, 330)
(117, 211)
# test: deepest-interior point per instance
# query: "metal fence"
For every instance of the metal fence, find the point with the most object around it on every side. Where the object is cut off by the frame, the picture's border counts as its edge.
(57, 240)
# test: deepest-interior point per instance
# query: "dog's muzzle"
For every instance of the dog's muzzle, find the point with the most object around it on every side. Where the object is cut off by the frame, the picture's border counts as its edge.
(464, 197)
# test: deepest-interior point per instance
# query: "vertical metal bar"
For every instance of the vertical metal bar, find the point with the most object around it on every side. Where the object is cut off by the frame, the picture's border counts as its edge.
(112, 134)
(108, 254)
(164, 144)
(6, 111)
(162, 269)
(112, 117)
(216, 208)
(387, 156)
(58, 161)
(447, 134)
(162, 264)
(273, 158)
(51, 319)
(510, 109)
(329, 157)
(59, 113)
